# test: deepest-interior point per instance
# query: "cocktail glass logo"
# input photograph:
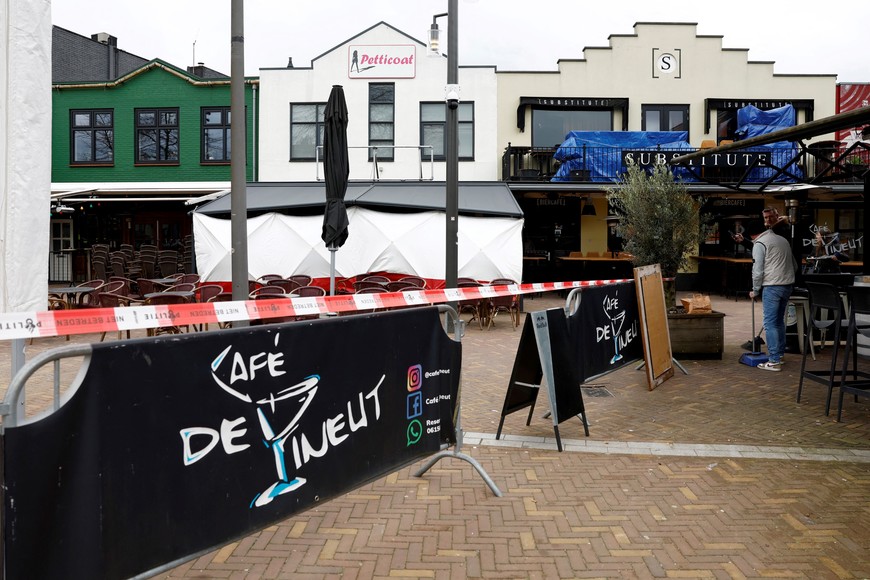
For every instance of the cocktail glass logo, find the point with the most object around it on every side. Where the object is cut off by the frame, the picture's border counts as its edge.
(415, 403)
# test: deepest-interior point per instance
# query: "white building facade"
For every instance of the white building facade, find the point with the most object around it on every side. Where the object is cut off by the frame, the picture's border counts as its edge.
(396, 106)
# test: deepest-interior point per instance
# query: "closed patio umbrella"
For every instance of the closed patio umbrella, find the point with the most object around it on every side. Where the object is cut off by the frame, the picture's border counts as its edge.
(336, 170)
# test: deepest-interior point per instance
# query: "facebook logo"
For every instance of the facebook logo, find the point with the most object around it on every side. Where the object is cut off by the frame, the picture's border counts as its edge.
(415, 404)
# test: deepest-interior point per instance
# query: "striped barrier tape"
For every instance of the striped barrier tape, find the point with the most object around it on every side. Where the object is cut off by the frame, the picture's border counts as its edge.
(89, 320)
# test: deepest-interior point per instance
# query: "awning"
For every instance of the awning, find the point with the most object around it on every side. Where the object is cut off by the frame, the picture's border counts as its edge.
(475, 198)
(181, 191)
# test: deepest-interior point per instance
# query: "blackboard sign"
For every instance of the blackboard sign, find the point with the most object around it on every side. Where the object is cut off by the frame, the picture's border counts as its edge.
(553, 364)
(172, 446)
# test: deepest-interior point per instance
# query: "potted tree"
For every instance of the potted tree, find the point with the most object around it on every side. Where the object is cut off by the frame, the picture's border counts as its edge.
(659, 220)
(660, 223)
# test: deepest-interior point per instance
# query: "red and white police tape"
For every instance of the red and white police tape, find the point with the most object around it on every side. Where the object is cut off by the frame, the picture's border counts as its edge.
(88, 320)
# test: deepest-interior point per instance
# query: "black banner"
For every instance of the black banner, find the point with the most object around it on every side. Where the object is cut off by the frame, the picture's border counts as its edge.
(605, 329)
(172, 446)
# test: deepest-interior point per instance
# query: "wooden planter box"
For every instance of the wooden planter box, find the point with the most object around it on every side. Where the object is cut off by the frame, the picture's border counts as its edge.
(697, 335)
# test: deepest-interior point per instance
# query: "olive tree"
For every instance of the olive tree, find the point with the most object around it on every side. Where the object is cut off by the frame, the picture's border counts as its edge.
(659, 220)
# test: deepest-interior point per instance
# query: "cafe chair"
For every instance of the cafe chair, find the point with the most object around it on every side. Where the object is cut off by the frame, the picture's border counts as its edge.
(208, 291)
(859, 385)
(189, 279)
(509, 304)
(399, 285)
(478, 307)
(89, 299)
(266, 290)
(182, 287)
(415, 280)
(166, 299)
(826, 314)
(112, 300)
(380, 279)
(265, 278)
(130, 288)
(221, 297)
(301, 279)
(363, 284)
(305, 291)
(56, 303)
(286, 285)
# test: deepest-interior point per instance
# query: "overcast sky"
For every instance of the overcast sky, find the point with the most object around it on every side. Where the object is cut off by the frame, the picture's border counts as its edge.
(801, 38)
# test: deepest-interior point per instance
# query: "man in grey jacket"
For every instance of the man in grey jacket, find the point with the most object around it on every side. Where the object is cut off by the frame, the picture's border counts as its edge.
(773, 274)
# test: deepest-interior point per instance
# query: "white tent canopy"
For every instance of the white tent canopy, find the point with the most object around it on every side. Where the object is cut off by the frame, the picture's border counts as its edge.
(407, 243)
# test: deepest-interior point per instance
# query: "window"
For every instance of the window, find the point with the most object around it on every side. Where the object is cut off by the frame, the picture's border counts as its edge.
(92, 137)
(433, 127)
(382, 113)
(550, 126)
(664, 118)
(157, 136)
(306, 130)
(216, 135)
(726, 124)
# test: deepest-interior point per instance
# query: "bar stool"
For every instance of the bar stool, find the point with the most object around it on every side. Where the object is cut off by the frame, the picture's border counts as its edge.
(859, 301)
(826, 313)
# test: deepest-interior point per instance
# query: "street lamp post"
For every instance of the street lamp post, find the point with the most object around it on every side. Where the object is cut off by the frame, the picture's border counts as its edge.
(451, 137)
(238, 163)
(451, 261)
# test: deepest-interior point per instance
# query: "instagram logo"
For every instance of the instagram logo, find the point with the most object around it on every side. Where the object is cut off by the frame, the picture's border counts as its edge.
(415, 377)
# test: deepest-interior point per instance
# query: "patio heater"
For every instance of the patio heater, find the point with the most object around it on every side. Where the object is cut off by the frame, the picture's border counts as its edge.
(612, 222)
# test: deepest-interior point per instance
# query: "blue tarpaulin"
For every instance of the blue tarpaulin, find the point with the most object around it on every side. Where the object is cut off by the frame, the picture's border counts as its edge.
(752, 122)
(600, 152)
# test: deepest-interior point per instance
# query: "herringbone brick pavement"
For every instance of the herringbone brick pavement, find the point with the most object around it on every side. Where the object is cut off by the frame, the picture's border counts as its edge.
(574, 516)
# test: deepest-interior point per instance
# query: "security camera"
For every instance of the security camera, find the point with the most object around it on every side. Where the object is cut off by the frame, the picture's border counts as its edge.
(63, 209)
(452, 96)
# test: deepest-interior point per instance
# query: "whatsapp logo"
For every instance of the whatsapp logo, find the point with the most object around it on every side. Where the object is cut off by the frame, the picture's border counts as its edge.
(415, 431)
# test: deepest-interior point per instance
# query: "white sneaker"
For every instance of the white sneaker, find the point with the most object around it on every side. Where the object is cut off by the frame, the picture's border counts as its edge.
(771, 366)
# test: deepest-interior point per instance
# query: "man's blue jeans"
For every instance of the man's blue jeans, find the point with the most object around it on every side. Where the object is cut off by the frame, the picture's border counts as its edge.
(774, 301)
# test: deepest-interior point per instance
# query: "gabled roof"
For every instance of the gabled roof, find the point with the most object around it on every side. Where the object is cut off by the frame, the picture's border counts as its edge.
(78, 58)
(475, 198)
(366, 31)
(151, 65)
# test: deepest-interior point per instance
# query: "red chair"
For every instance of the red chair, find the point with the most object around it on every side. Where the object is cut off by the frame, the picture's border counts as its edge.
(304, 291)
(363, 284)
(285, 284)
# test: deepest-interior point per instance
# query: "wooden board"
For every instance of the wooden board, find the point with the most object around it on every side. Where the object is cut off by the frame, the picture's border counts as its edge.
(654, 325)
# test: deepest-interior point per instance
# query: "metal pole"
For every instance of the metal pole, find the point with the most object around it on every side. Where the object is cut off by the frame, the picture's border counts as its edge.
(238, 194)
(452, 151)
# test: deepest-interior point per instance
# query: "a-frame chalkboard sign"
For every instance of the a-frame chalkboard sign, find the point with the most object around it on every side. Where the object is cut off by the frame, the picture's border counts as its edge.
(544, 353)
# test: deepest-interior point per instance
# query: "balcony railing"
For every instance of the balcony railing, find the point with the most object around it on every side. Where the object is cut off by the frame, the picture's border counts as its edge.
(787, 164)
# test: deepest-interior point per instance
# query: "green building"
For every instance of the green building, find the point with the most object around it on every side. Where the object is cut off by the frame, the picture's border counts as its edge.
(132, 141)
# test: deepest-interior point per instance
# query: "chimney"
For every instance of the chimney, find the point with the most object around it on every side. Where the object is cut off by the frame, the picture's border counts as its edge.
(105, 38)
(198, 70)
(290, 62)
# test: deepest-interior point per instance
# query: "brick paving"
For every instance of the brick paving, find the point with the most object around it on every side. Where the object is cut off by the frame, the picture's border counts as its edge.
(714, 474)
